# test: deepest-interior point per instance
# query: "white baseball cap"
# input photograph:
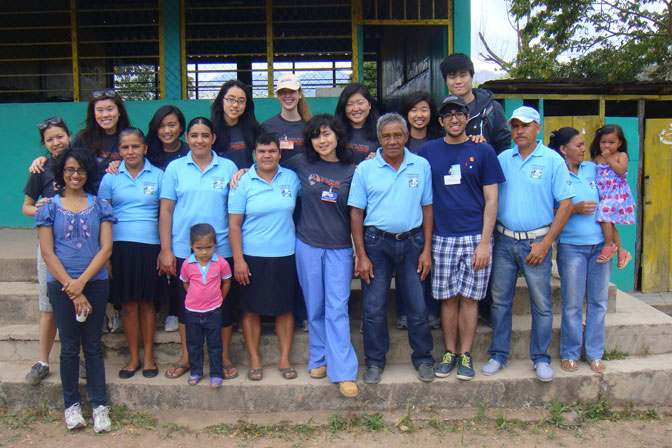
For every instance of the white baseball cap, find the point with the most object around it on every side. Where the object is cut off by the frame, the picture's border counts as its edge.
(290, 81)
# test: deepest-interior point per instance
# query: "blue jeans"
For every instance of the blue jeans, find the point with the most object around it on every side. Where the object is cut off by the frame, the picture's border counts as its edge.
(386, 254)
(88, 335)
(508, 258)
(325, 276)
(582, 276)
(206, 326)
(431, 304)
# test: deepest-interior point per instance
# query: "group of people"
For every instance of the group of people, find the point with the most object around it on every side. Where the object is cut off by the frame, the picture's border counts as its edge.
(425, 195)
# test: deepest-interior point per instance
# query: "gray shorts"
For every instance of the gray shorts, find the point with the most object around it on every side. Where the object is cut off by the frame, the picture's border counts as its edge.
(42, 298)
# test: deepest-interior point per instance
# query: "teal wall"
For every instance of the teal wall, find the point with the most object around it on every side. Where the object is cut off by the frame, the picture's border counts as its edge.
(22, 139)
(462, 26)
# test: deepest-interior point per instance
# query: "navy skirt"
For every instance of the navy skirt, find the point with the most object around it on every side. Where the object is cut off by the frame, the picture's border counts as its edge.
(134, 275)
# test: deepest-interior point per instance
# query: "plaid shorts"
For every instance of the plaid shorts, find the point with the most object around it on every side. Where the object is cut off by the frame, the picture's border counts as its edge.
(452, 269)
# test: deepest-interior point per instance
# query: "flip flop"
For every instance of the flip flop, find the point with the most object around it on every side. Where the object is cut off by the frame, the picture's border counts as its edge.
(288, 373)
(255, 374)
(175, 368)
(215, 382)
(598, 366)
(227, 372)
(194, 380)
(569, 365)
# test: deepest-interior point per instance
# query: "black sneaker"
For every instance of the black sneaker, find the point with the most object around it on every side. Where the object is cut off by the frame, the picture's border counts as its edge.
(446, 365)
(425, 373)
(37, 373)
(465, 367)
(372, 374)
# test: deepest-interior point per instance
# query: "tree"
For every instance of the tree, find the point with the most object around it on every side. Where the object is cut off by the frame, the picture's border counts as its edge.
(594, 39)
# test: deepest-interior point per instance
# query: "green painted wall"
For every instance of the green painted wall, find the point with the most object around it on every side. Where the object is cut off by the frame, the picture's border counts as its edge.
(22, 139)
(171, 36)
(462, 26)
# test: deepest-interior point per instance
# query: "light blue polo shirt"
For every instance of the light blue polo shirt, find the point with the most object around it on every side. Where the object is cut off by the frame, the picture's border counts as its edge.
(200, 197)
(532, 187)
(135, 203)
(268, 227)
(583, 230)
(393, 199)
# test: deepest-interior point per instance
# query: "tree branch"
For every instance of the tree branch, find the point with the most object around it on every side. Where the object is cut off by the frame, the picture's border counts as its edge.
(491, 55)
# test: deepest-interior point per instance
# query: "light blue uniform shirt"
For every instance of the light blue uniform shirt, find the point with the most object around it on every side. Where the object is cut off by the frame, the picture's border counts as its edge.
(200, 197)
(532, 187)
(583, 230)
(135, 203)
(268, 227)
(393, 199)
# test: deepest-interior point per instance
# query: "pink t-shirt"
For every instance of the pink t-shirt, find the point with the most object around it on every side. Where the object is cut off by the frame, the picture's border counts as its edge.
(205, 283)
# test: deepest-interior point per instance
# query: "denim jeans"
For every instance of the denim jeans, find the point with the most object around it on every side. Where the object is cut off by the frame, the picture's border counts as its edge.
(432, 305)
(325, 276)
(509, 258)
(208, 326)
(386, 254)
(582, 276)
(88, 335)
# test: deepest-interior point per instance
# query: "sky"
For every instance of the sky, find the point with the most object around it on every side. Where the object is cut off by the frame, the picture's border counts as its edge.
(490, 18)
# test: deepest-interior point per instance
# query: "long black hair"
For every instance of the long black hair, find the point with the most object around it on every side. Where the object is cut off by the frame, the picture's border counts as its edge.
(93, 137)
(247, 120)
(370, 123)
(154, 145)
(313, 128)
(604, 130)
(86, 160)
(561, 137)
(434, 129)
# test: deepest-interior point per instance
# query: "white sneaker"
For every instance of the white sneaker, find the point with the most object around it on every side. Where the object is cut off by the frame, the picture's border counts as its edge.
(101, 419)
(115, 323)
(73, 417)
(171, 324)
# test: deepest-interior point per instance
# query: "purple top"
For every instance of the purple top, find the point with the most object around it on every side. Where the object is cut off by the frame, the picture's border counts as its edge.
(76, 235)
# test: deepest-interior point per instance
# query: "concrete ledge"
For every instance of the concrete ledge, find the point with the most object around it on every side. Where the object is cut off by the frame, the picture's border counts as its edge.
(19, 302)
(641, 381)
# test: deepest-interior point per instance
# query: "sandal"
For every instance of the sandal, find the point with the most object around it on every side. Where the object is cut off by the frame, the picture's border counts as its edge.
(288, 373)
(176, 367)
(215, 382)
(194, 380)
(227, 372)
(624, 258)
(569, 365)
(607, 253)
(598, 366)
(255, 374)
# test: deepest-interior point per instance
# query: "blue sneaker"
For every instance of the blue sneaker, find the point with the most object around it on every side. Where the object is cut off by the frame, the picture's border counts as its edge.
(465, 368)
(544, 371)
(446, 365)
(491, 367)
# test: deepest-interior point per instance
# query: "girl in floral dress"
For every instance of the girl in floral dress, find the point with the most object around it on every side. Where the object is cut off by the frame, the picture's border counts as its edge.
(609, 150)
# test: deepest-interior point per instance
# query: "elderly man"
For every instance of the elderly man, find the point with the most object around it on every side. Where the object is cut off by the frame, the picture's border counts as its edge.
(465, 177)
(395, 189)
(536, 178)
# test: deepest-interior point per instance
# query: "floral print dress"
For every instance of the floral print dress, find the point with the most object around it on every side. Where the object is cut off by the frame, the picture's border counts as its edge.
(617, 206)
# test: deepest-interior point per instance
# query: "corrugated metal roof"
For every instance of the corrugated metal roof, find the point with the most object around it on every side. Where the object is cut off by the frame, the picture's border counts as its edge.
(555, 86)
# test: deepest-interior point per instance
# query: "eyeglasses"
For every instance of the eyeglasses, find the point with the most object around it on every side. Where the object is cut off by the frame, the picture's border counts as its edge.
(231, 100)
(108, 93)
(70, 171)
(459, 115)
(42, 125)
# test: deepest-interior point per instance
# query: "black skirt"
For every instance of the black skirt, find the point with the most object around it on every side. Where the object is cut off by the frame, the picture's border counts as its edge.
(272, 286)
(134, 274)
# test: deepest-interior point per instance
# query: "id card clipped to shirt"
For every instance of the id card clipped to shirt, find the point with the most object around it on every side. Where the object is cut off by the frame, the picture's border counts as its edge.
(329, 196)
(454, 176)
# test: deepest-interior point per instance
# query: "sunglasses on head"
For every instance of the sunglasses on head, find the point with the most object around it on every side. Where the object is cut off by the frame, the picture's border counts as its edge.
(108, 93)
(42, 125)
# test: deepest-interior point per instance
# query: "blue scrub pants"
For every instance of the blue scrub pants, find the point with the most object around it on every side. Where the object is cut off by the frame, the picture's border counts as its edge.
(325, 276)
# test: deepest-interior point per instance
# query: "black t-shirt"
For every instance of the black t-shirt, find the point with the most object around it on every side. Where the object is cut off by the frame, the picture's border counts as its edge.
(361, 146)
(41, 184)
(237, 150)
(165, 157)
(414, 144)
(109, 153)
(290, 134)
(324, 220)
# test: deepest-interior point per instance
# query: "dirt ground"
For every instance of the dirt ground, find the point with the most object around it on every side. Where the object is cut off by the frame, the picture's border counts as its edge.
(554, 425)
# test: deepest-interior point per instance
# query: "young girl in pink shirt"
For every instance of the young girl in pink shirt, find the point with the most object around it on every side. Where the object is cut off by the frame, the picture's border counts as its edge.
(207, 279)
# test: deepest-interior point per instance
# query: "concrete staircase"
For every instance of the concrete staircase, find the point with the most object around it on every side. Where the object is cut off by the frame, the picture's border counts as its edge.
(632, 327)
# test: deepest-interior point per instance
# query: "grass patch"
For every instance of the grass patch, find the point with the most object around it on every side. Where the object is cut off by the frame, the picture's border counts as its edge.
(26, 418)
(170, 428)
(124, 418)
(441, 427)
(613, 355)
(373, 422)
(252, 431)
(508, 425)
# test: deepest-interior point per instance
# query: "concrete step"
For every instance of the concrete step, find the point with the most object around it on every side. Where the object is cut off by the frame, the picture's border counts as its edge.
(18, 269)
(636, 380)
(19, 302)
(634, 328)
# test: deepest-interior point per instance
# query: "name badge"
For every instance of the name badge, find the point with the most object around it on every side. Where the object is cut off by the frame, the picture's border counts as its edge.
(454, 176)
(287, 144)
(329, 196)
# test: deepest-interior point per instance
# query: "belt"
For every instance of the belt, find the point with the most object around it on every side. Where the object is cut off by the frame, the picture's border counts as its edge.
(528, 235)
(395, 236)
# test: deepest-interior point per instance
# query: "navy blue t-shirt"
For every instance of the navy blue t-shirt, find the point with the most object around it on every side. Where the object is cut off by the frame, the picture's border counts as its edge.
(361, 146)
(290, 134)
(458, 207)
(237, 149)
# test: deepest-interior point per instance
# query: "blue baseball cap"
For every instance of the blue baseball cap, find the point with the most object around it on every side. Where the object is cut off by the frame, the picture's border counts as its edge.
(526, 115)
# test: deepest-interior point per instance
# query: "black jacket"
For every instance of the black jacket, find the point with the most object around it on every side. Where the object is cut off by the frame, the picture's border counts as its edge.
(487, 118)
